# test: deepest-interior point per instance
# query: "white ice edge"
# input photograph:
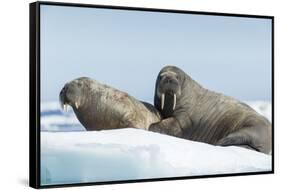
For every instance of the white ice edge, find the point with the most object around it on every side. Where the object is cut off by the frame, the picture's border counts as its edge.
(123, 154)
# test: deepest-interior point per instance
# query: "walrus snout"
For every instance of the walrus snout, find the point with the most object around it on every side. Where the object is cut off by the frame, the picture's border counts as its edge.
(169, 90)
(70, 95)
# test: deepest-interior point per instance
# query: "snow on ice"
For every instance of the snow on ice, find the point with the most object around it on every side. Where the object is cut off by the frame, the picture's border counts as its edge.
(69, 154)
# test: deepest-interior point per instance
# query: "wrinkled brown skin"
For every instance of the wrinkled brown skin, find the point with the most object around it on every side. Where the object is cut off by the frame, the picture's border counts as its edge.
(102, 107)
(206, 116)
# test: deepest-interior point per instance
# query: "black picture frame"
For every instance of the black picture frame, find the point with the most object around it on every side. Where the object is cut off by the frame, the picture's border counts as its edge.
(34, 91)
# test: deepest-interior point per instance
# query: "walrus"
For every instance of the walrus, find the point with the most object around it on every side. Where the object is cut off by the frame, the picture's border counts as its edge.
(192, 112)
(99, 107)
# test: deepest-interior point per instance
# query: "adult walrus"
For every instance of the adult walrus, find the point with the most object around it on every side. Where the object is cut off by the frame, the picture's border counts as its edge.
(192, 112)
(99, 106)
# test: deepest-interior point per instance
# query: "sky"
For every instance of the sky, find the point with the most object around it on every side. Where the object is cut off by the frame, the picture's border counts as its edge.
(126, 50)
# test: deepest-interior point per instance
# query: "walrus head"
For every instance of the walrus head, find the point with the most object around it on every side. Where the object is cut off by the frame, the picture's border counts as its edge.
(168, 88)
(73, 93)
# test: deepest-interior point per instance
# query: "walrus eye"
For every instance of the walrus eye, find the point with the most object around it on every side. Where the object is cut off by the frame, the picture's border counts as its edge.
(79, 84)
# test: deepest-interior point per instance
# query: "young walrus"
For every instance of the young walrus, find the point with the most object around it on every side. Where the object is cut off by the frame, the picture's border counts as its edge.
(98, 106)
(192, 112)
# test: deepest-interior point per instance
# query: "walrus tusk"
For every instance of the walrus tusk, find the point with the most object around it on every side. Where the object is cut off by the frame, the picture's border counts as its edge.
(175, 101)
(65, 107)
(162, 100)
(76, 105)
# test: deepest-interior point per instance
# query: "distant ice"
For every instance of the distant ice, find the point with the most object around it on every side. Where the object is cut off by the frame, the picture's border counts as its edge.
(53, 118)
(262, 107)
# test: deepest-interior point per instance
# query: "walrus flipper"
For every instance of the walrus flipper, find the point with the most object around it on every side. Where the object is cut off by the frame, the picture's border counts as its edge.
(169, 126)
(247, 139)
(236, 139)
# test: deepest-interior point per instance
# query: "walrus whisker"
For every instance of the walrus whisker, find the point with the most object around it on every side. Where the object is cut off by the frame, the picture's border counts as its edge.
(175, 102)
(162, 100)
